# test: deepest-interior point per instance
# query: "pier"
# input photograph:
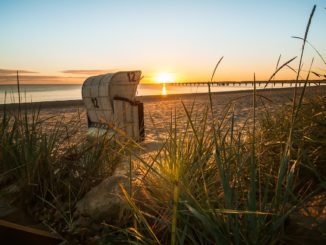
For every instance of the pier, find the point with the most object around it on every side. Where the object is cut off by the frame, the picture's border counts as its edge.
(251, 83)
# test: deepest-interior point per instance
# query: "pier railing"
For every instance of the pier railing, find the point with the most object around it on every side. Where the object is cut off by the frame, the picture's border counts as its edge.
(251, 83)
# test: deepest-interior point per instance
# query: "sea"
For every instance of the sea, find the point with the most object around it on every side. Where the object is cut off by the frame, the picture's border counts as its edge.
(62, 92)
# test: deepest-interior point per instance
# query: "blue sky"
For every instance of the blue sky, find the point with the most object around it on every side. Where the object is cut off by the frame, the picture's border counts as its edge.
(185, 38)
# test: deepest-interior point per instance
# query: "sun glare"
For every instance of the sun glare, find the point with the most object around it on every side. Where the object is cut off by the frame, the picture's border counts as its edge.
(165, 77)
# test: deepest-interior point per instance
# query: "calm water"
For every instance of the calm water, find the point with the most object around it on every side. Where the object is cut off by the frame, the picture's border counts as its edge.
(57, 92)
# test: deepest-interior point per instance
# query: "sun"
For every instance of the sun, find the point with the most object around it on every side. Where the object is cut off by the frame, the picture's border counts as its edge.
(165, 77)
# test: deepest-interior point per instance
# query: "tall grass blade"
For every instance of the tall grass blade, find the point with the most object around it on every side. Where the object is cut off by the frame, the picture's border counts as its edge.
(316, 50)
(139, 214)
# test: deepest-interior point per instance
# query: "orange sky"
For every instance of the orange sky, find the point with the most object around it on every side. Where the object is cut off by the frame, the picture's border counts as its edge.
(25, 77)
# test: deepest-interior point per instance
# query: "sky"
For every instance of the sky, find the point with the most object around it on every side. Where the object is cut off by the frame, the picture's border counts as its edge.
(65, 41)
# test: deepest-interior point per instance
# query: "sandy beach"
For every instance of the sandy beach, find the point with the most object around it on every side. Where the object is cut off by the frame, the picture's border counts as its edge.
(158, 109)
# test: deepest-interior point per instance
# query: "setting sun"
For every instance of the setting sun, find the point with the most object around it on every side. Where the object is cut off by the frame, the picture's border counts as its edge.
(165, 77)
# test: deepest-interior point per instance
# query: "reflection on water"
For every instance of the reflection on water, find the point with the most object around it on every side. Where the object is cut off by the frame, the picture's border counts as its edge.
(40, 92)
(163, 89)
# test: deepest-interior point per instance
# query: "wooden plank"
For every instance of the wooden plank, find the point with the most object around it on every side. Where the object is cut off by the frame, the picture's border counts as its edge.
(141, 121)
(12, 233)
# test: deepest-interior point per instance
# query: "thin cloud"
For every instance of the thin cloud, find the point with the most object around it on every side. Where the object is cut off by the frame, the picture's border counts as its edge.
(28, 79)
(11, 72)
(88, 72)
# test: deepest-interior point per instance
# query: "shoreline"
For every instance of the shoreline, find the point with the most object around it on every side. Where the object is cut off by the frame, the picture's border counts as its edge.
(152, 98)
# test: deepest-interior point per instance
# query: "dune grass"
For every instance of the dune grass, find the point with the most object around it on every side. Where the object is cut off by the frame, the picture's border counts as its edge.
(238, 185)
(45, 169)
(233, 186)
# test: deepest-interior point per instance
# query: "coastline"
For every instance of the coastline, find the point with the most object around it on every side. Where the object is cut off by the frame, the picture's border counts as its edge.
(152, 98)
